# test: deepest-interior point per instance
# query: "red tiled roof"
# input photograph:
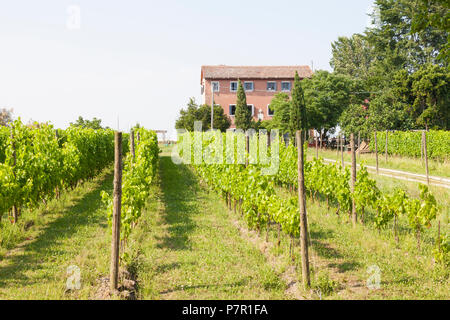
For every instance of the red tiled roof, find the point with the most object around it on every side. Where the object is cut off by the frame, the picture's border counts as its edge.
(254, 72)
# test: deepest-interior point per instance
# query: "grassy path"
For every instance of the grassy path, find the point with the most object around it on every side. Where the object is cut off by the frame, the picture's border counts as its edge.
(188, 247)
(70, 231)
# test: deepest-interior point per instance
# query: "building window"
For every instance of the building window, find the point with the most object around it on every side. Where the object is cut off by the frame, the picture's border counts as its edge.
(252, 109)
(285, 86)
(233, 86)
(232, 109)
(271, 86)
(269, 111)
(248, 86)
(215, 86)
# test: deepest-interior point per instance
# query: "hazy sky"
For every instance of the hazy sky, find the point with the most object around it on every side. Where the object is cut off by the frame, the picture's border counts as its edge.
(139, 61)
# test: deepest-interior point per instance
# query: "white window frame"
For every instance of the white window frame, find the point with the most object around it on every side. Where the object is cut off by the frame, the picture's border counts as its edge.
(253, 86)
(268, 111)
(229, 109)
(289, 86)
(275, 86)
(218, 86)
(231, 82)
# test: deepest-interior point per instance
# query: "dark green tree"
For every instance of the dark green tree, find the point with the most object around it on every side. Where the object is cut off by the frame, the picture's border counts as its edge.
(281, 106)
(434, 14)
(352, 56)
(425, 95)
(327, 95)
(202, 113)
(243, 115)
(85, 123)
(297, 118)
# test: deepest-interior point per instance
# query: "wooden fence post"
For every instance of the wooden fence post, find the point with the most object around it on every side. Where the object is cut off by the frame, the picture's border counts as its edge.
(359, 144)
(247, 149)
(114, 270)
(386, 147)
(421, 150)
(302, 207)
(352, 146)
(338, 139)
(376, 149)
(15, 211)
(424, 138)
(132, 144)
(317, 147)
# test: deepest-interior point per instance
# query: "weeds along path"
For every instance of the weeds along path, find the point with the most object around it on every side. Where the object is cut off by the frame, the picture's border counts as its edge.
(188, 247)
(71, 231)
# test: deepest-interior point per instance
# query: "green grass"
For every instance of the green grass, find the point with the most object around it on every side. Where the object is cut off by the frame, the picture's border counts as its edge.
(406, 272)
(186, 246)
(69, 231)
(341, 254)
(413, 165)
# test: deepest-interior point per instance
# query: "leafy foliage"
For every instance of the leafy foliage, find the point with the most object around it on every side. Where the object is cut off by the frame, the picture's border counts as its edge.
(202, 113)
(87, 124)
(38, 164)
(137, 176)
(260, 204)
(407, 143)
(243, 116)
(297, 119)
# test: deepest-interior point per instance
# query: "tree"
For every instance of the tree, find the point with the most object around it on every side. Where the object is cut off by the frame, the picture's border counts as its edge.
(243, 115)
(327, 95)
(91, 124)
(281, 107)
(396, 41)
(354, 119)
(352, 56)
(202, 113)
(297, 115)
(425, 95)
(434, 14)
(5, 116)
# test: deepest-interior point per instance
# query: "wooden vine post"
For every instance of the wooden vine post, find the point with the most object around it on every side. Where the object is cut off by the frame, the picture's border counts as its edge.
(352, 147)
(133, 153)
(342, 152)
(421, 150)
(247, 149)
(376, 150)
(386, 148)
(317, 147)
(15, 211)
(320, 139)
(359, 144)
(114, 269)
(337, 146)
(424, 139)
(302, 207)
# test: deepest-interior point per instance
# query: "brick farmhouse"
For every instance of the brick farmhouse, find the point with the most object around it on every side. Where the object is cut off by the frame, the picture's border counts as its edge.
(261, 83)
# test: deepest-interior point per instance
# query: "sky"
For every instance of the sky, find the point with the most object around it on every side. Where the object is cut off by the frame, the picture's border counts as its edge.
(139, 61)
